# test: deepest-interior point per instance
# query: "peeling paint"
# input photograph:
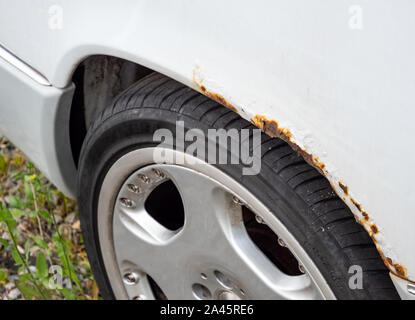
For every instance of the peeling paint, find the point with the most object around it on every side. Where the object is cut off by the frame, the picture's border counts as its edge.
(273, 129)
(396, 268)
(218, 98)
(357, 205)
(365, 216)
(198, 81)
(344, 188)
(400, 270)
(374, 228)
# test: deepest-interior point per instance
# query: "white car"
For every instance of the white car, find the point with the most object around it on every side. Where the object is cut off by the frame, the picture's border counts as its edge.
(112, 99)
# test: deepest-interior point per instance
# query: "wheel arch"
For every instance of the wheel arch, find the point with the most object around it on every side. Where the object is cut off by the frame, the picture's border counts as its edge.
(200, 81)
(98, 80)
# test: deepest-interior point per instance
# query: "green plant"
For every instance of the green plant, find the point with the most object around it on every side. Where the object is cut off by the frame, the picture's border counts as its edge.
(40, 232)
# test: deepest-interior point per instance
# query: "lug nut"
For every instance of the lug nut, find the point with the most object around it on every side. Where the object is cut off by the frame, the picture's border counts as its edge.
(130, 278)
(127, 202)
(134, 188)
(158, 173)
(281, 242)
(237, 201)
(140, 297)
(144, 178)
(301, 268)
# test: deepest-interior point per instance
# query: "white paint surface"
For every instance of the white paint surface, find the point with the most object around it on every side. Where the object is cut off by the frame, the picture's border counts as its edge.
(346, 94)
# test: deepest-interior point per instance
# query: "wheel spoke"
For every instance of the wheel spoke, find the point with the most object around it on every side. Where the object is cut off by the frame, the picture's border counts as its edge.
(257, 274)
(136, 249)
(201, 196)
(214, 226)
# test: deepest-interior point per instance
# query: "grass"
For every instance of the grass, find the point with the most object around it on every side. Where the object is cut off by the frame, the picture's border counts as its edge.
(42, 254)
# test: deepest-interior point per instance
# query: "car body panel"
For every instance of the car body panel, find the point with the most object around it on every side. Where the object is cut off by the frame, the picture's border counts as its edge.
(36, 118)
(342, 96)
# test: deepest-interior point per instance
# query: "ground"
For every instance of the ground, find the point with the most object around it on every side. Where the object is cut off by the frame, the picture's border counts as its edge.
(42, 255)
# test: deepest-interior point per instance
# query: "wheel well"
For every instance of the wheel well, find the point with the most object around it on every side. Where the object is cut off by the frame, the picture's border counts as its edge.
(98, 80)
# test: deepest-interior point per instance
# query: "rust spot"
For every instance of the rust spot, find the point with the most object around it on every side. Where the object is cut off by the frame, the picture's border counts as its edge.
(395, 268)
(217, 97)
(374, 228)
(319, 164)
(365, 216)
(357, 205)
(344, 188)
(400, 270)
(271, 127)
(388, 261)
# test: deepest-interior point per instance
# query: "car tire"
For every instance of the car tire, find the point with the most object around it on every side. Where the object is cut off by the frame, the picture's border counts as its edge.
(296, 193)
